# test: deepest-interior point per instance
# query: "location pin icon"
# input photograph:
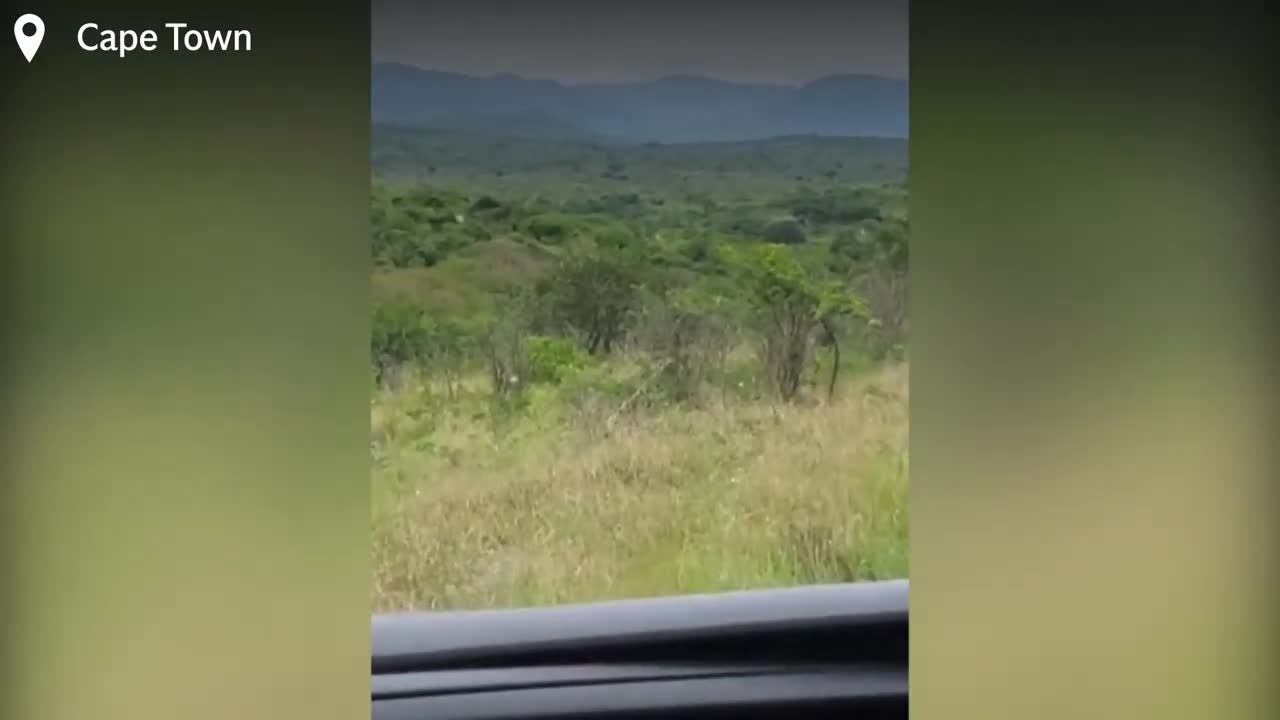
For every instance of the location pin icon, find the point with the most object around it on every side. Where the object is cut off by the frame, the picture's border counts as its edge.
(29, 32)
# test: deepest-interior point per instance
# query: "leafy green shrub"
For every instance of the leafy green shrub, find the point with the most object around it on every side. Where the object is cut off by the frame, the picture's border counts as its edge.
(614, 238)
(485, 202)
(787, 231)
(592, 296)
(400, 332)
(878, 245)
(554, 359)
(698, 249)
(403, 332)
(550, 228)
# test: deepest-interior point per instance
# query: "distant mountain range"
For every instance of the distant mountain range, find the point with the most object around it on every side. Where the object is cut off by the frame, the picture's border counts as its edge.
(678, 108)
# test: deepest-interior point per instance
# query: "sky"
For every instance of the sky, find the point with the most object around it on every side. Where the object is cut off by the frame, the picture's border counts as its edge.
(576, 41)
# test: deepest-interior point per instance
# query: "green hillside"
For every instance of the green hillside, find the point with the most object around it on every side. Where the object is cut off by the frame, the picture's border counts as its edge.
(583, 356)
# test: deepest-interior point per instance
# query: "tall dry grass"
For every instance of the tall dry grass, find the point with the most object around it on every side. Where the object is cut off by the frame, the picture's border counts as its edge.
(738, 495)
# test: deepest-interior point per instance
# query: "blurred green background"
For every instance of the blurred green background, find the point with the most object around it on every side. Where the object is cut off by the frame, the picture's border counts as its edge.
(1092, 411)
(186, 403)
(185, 398)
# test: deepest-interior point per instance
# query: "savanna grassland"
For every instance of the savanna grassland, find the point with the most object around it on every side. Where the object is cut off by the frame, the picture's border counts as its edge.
(617, 371)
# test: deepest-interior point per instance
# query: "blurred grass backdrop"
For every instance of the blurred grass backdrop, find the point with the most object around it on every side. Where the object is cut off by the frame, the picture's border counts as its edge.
(1092, 420)
(186, 505)
(185, 399)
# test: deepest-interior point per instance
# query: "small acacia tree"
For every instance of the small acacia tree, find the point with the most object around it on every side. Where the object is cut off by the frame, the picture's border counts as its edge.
(592, 295)
(836, 304)
(794, 304)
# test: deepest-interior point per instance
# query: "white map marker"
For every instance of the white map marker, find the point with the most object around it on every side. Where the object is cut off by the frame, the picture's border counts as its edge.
(29, 31)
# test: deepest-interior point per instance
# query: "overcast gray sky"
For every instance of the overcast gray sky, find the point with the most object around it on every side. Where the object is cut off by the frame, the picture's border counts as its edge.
(786, 41)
